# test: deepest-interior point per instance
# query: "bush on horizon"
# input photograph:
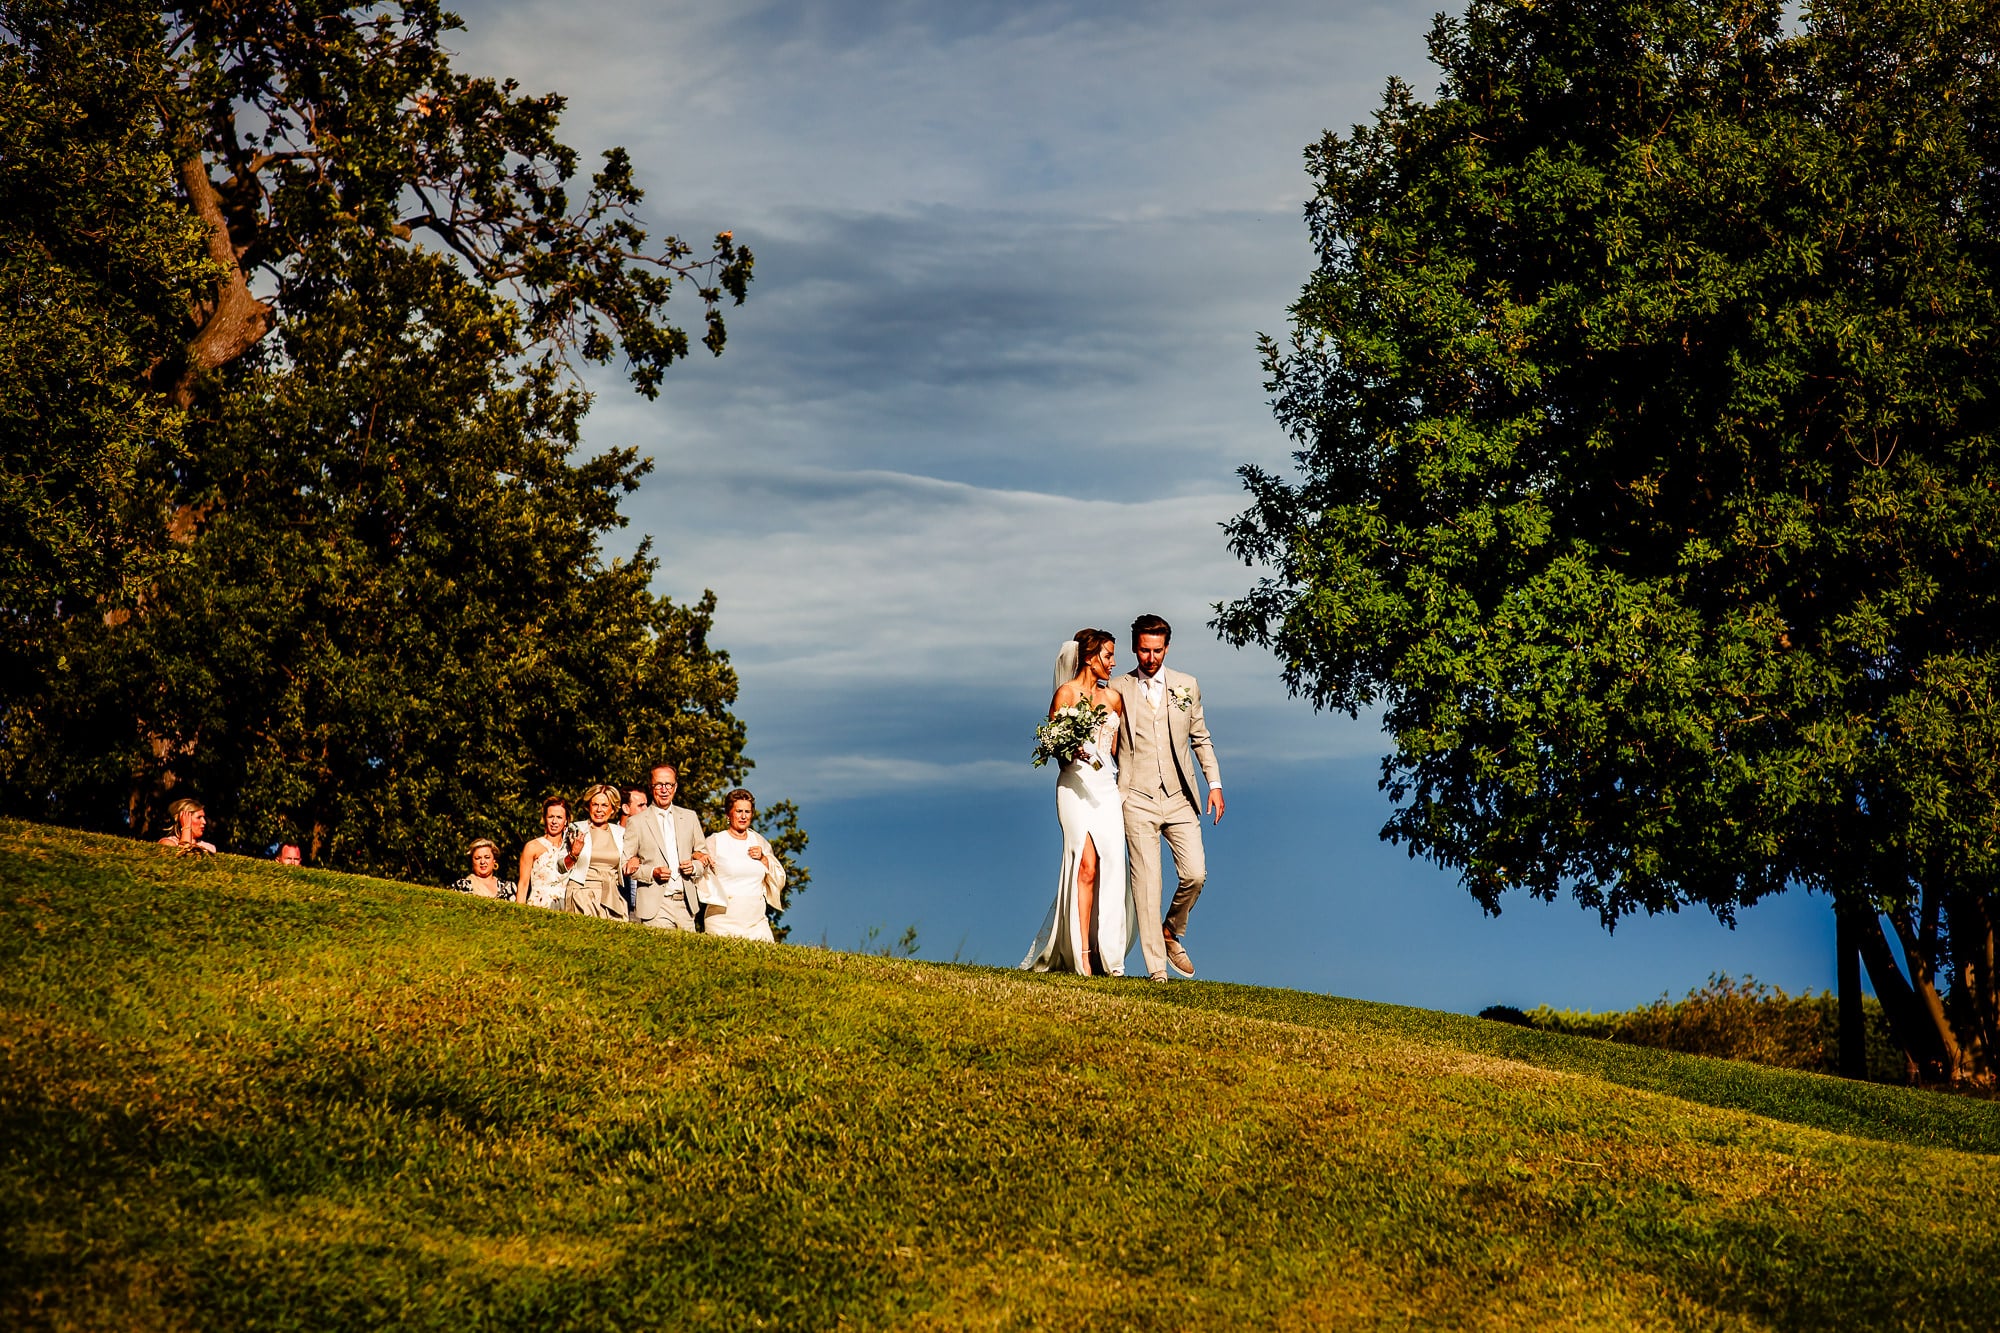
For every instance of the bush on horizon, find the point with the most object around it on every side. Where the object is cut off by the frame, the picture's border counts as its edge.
(1739, 1019)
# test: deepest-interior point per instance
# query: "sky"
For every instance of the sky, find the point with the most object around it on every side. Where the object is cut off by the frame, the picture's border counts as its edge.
(993, 382)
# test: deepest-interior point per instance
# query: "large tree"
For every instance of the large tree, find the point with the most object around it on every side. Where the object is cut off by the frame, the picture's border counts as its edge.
(297, 126)
(381, 619)
(1645, 394)
(99, 265)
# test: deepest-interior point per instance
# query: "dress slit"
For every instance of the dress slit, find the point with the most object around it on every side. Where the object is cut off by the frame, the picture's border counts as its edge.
(1064, 941)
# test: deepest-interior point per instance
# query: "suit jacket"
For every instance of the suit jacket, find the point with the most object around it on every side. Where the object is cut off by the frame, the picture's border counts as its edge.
(650, 845)
(1186, 727)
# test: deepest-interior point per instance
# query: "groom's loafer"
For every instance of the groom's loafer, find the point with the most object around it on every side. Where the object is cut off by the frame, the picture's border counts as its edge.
(1178, 956)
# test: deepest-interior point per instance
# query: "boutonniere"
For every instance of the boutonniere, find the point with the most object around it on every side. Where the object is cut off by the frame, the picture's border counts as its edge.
(1182, 696)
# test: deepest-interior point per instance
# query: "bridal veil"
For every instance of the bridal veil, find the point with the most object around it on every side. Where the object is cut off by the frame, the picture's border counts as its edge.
(1068, 663)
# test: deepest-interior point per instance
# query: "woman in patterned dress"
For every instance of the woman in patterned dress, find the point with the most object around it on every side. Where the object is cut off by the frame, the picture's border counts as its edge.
(540, 880)
(483, 882)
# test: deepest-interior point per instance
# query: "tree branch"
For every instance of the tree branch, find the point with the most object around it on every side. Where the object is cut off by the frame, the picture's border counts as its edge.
(233, 320)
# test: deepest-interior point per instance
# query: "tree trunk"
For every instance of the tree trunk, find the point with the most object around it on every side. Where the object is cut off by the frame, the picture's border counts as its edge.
(1853, 1019)
(1919, 938)
(232, 320)
(1917, 1020)
(1975, 990)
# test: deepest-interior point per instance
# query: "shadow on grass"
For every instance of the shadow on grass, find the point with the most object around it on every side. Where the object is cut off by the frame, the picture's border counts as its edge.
(1840, 1106)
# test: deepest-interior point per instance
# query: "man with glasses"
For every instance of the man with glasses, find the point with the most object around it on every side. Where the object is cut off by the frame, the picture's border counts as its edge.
(666, 861)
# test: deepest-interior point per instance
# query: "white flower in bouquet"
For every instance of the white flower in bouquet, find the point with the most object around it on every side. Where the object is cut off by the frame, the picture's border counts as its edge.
(1068, 732)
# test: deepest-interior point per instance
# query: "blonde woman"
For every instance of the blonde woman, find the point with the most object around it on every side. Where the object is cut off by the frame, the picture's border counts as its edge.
(593, 858)
(190, 821)
(483, 882)
(744, 878)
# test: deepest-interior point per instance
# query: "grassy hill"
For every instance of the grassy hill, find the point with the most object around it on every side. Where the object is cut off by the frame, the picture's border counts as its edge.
(233, 1096)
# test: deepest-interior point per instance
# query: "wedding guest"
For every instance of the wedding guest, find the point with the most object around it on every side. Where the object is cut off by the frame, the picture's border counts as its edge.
(593, 858)
(665, 859)
(290, 854)
(635, 801)
(745, 876)
(190, 821)
(483, 882)
(542, 882)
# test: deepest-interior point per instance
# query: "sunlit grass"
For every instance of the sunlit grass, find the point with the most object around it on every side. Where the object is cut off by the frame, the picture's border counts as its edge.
(232, 1096)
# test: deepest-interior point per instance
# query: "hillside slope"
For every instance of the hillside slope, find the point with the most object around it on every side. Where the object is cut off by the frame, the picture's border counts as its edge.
(233, 1096)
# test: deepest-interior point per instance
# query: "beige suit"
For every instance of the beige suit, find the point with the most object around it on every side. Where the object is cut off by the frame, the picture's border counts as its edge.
(1157, 784)
(669, 904)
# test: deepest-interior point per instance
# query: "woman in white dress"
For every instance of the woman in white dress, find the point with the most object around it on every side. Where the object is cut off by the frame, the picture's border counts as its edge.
(1091, 925)
(745, 876)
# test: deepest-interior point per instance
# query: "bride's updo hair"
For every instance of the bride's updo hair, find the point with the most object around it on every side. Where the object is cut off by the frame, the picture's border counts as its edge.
(1088, 641)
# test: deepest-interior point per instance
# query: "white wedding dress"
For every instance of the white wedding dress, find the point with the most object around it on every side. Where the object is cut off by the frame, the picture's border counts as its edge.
(1089, 809)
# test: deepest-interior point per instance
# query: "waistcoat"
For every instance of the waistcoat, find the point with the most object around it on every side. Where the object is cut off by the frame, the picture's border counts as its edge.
(1152, 744)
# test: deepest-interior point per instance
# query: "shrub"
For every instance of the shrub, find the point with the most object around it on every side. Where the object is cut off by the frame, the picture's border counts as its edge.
(1740, 1019)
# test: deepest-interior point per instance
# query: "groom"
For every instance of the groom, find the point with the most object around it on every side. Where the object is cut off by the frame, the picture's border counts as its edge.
(1162, 719)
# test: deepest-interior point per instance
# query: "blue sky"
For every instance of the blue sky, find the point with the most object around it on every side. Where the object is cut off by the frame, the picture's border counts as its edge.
(993, 382)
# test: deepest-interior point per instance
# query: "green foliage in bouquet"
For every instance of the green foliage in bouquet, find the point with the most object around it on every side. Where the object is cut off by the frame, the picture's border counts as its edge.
(1065, 733)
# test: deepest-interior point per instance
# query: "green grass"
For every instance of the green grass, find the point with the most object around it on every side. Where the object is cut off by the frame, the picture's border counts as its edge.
(237, 1097)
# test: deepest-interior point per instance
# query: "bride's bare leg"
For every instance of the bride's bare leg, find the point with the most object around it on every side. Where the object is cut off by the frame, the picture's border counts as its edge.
(1086, 904)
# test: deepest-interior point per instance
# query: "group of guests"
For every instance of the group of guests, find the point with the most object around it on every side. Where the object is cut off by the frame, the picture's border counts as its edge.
(636, 856)
(187, 829)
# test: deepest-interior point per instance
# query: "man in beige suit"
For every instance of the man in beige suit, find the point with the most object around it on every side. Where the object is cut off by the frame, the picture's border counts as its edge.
(664, 861)
(1162, 721)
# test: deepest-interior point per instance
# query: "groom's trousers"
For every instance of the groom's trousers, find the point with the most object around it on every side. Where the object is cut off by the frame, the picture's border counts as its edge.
(1149, 816)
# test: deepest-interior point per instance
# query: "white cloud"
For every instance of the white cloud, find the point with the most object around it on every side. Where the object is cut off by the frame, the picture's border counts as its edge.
(998, 365)
(899, 579)
(850, 775)
(1117, 108)
(993, 379)
(918, 615)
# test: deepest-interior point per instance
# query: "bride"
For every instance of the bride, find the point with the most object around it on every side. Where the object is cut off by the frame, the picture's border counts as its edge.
(1093, 888)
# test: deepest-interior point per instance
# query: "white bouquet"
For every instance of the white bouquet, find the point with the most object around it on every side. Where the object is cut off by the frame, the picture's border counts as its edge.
(1069, 733)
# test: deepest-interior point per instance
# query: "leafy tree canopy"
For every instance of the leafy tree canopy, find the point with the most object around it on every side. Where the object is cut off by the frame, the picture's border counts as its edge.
(1645, 400)
(307, 124)
(378, 619)
(98, 267)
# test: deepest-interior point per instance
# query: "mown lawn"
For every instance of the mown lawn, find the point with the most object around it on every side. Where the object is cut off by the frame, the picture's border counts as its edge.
(239, 1097)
